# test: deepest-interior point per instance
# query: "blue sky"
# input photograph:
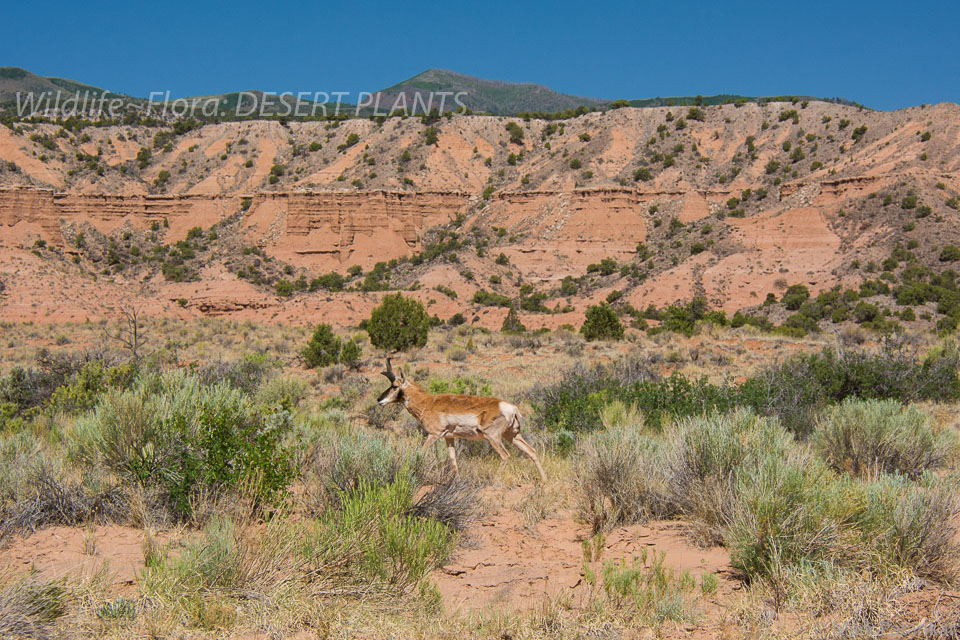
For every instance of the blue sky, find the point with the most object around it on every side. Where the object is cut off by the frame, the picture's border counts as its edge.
(884, 54)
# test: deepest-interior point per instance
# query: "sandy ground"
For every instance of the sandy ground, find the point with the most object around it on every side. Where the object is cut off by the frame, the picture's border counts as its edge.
(506, 563)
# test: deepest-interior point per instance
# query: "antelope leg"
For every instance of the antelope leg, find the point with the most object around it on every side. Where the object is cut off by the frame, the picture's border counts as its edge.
(452, 454)
(430, 441)
(524, 446)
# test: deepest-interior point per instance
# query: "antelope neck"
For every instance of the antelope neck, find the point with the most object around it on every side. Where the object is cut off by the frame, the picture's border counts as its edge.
(414, 391)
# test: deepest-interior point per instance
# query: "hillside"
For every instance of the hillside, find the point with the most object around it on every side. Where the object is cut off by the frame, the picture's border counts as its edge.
(489, 96)
(729, 202)
(14, 80)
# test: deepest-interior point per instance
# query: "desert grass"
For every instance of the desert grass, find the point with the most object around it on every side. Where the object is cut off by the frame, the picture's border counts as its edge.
(350, 548)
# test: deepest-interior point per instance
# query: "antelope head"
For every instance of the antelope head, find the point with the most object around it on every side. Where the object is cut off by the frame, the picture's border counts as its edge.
(395, 390)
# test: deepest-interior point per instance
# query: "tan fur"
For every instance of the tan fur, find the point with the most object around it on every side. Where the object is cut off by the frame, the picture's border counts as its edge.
(450, 416)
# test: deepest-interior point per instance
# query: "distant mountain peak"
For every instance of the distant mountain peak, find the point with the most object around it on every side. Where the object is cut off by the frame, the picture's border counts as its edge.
(493, 96)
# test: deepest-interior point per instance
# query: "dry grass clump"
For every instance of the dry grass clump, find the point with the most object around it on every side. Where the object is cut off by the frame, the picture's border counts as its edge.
(621, 479)
(49, 501)
(914, 524)
(867, 438)
(742, 481)
(339, 462)
(625, 477)
(453, 503)
(29, 607)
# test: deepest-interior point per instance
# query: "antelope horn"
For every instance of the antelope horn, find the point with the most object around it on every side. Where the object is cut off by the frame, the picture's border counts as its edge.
(389, 372)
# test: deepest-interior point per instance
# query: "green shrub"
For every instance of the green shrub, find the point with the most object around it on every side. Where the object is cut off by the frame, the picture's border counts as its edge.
(82, 391)
(325, 348)
(797, 387)
(601, 323)
(171, 432)
(866, 437)
(684, 318)
(794, 296)
(332, 281)
(279, 391)
(350, 354)
(283, 288)
(516, 132)
(491, 299)
(460, 385)
(351, 140)
(398, 324)
(512, 323)
(950, 253)
(575, 399)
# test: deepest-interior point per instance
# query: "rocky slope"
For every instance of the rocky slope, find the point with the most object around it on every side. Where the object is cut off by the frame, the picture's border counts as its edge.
(731, 202)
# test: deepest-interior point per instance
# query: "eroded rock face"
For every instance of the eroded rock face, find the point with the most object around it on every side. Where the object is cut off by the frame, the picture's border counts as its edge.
(327, 231)
(567, 197)
(318, 230)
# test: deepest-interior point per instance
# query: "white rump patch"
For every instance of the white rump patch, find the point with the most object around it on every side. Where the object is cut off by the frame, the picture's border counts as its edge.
(508, 411)
(459, 420)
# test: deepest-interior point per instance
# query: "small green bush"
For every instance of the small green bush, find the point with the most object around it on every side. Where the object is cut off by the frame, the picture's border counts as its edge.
(648, 589)
(398, 324)
(351, 140)
(516, 132)
(325, 348)
(602, 323)
(794, 296)
(950, 253)
(512, 323)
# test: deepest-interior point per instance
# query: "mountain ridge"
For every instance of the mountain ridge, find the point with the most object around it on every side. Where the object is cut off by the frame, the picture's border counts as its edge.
(496, 97)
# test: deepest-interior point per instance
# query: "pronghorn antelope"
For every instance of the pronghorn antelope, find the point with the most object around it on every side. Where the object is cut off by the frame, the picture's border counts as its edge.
(450, 416)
